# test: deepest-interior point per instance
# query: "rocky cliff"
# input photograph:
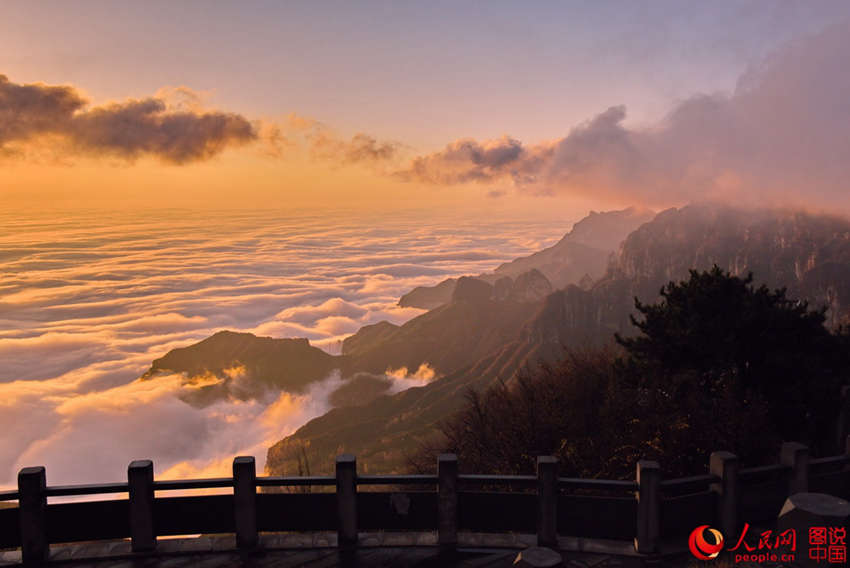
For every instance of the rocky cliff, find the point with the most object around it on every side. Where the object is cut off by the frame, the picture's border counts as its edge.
(808, 254)
(245, 366)
(489, 328)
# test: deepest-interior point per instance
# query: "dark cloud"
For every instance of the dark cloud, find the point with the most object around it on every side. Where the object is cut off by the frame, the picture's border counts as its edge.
(128, 129)
(468, 160)
(783, 136)
(31, 110)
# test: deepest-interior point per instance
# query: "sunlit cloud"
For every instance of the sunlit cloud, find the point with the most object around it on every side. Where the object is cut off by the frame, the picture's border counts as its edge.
(87, 307)
(402, 379)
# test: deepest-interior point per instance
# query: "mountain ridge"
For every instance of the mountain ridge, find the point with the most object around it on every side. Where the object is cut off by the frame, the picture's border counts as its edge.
(584, 251)
(807, 253)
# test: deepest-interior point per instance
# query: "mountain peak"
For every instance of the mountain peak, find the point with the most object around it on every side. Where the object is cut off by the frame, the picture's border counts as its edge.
(469, 289)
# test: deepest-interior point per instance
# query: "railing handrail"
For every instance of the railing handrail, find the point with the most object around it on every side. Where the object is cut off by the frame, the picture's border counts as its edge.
(493, 479)
(296, 481)
(754, 473)
(9, 495)
(723, 482)
(762, 471)
(413, 479)
(87, 489)
(829, 461)
(185, 484)
(599, 484)
(702, 481)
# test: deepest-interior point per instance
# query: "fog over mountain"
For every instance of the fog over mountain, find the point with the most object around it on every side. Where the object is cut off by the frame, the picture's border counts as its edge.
(779, 138)
(807, 254)
(582, 255)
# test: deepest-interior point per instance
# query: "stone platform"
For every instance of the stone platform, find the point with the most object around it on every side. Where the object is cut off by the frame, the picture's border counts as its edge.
(318, 550)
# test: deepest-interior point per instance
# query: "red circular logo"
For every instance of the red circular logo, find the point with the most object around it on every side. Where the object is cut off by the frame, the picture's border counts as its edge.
(700, 547)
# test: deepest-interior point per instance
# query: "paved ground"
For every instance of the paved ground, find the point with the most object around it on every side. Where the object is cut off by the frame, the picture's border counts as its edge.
(317, 558)
(318, 550)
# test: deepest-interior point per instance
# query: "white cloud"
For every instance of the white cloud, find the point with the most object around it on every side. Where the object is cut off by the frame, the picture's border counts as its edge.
(87, 305)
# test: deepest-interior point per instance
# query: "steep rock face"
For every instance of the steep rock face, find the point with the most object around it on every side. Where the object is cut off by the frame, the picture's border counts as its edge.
(502, 288)
(807, 254)
(383, 432)
(586, 282)
(449, 337)
(360, 389)
(368, 337)
(608, 229)
(562, 264)
(567, 317)
(470, 289)
(530, 286)
(429, 297)
(586, 249)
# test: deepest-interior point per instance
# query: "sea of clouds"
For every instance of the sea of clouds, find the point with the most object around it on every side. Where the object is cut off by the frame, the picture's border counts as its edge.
(89, 299)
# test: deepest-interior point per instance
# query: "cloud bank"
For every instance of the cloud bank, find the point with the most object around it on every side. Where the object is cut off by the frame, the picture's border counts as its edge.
(88, 301)
(172, 125)
(128, 130)
(781, 136)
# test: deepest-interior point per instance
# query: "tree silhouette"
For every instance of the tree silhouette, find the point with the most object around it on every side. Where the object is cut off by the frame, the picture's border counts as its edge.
(717, 333)
(717, 364)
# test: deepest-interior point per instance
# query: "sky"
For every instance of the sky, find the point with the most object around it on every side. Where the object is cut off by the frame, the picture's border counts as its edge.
(412, 79)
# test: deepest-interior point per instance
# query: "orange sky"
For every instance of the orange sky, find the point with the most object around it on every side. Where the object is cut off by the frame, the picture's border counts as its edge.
(247, 179)
(509, 107)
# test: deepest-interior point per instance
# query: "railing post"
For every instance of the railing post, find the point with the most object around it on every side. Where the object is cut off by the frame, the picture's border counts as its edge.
(346, 500)
(140, 482)
(847, 453)
(32, 510)
(847, 447)
(725, 465)
(447, 502)
(547, 501)
(796, 456)
(844, 417)
(245, 501)
(648, 506)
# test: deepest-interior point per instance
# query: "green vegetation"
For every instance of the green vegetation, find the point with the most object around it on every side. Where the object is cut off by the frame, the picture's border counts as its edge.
(717, 364)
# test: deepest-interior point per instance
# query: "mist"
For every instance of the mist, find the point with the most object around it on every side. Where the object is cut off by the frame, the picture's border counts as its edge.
(780, 138)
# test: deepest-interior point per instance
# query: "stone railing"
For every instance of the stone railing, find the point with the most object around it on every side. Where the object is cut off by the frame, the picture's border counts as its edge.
(643, 512)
